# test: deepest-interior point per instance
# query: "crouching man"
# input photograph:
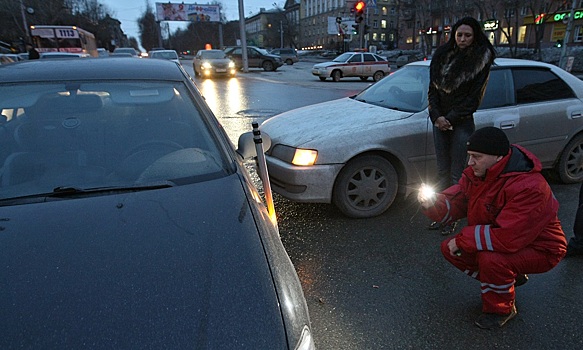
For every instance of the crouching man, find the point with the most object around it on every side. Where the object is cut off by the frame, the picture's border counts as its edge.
(513, 228)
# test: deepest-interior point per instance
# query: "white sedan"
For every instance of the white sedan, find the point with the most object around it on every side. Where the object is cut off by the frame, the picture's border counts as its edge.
(360, 152)
(353, 64)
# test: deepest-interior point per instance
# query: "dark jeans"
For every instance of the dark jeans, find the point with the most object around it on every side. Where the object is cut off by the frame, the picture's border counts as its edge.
(451, 152)
(577, 241)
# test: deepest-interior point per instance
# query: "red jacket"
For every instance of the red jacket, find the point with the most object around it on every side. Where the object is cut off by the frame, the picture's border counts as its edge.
(511, 208)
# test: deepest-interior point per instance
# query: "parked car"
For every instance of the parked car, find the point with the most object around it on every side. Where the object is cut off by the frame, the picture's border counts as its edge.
(171, 55)
(406, 59)
(256, 58)
(102, 52)
(126, 50)
(128, 219)
(288, 55)
(360, 152)
(9, 58)
(213, 63)
(353, 64)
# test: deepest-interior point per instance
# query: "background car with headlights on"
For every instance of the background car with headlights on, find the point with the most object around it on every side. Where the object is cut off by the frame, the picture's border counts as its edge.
(213, 63)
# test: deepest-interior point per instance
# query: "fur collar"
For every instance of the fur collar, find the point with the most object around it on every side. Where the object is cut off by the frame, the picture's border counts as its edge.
(452, 68)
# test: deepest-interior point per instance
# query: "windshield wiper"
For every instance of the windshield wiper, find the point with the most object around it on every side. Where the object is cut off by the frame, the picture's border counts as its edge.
(71, 191)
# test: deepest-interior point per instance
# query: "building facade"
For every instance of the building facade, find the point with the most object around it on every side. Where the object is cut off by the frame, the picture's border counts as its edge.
(415, 24)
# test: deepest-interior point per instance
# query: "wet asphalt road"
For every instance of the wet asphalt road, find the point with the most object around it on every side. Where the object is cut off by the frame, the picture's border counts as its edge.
(381, 283)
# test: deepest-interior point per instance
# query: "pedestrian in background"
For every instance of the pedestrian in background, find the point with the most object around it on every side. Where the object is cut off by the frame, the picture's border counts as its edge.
(459, 72)
(575, 247)
(513, 228)
(32, 52)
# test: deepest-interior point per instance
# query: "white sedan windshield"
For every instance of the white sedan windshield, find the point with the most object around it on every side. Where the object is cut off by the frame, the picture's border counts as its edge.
(404, 90)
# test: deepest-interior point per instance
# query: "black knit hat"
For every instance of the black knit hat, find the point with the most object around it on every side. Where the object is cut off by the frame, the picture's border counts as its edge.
(489, 140)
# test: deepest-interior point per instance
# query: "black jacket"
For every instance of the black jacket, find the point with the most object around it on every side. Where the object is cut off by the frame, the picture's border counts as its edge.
(458, 80)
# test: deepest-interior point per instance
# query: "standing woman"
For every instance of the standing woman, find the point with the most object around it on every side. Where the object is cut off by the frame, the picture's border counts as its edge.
(459, 73)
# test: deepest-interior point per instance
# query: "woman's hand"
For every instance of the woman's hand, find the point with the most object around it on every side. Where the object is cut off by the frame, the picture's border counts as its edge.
(443, 124)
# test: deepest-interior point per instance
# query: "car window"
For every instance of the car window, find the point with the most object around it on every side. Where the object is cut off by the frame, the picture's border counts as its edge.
(369, 57)
(212, 54)
(355, 58)
(379, 58)
(404, 90)
(499, 91)
(103, 134)
(537, 85)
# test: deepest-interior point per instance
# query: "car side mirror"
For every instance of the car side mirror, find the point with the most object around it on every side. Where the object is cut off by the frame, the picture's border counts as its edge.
(246, 145)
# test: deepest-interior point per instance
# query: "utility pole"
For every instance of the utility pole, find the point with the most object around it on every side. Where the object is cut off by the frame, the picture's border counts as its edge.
(24, 22)
(280, 34)
(563, 59)
(244, 57)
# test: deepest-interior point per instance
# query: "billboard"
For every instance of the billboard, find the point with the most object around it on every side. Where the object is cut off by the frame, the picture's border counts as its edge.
(340, 26)
(187, 12)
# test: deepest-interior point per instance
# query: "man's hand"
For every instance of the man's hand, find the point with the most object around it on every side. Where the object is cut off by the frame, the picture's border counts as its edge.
(453, 248)
(443, 124)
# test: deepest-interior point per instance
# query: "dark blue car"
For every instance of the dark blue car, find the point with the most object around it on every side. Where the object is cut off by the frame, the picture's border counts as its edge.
(127, 219)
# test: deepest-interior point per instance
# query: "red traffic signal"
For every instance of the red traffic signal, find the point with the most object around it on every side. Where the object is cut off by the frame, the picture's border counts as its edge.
(359, 7)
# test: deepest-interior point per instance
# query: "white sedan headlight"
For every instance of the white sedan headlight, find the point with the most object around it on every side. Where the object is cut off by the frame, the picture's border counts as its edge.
(295, 156)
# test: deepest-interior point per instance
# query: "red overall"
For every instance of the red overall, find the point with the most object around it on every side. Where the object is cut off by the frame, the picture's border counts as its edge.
(512, 229)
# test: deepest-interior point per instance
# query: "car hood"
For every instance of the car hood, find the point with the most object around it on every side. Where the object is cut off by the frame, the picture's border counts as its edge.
(323, 124)
(328, 64)
(179, 267)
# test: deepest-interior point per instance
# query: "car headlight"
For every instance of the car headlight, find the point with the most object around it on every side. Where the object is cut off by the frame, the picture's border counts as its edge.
(207, 65)
(295, 156)
(231, 64)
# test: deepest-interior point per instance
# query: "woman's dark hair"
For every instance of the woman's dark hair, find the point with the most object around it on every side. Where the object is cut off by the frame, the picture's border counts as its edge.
(480, 38)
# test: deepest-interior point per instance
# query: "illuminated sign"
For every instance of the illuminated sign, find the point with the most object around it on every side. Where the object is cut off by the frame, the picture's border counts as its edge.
(559, 17)
(491, 24)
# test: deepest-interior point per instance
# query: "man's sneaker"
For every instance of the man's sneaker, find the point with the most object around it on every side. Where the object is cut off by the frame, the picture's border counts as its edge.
(520, 279)
(434, 226)
(491, 321)
(449, 229)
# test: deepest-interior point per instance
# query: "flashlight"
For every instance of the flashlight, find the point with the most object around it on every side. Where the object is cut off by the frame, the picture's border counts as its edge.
(426, 192)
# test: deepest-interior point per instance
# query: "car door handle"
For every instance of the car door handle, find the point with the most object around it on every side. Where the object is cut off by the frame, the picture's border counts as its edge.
(507, 125)
(576, 114)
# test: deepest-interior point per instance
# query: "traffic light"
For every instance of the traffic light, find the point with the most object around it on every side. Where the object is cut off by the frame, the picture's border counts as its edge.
(359, 7)
(559, 43)
(355, 29)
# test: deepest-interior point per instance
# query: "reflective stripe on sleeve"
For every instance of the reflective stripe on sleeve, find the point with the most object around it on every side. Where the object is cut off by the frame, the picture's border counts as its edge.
(487, 238)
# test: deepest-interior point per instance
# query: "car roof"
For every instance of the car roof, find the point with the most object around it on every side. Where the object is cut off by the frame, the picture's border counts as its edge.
(113, 68)
(501, 62)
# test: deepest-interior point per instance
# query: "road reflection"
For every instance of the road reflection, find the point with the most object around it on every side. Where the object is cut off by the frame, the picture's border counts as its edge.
(234, 103)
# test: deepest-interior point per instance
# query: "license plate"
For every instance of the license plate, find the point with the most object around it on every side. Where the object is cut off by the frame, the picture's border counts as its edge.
(221, 70)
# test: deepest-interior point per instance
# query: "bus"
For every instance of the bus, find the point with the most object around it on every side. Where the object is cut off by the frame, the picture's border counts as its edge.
(48, 38)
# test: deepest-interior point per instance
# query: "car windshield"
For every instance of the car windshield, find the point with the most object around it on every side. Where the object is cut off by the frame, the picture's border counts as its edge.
(169, 55)
(342, 58)
(404, 90)
(102, 135)
(212, 54)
